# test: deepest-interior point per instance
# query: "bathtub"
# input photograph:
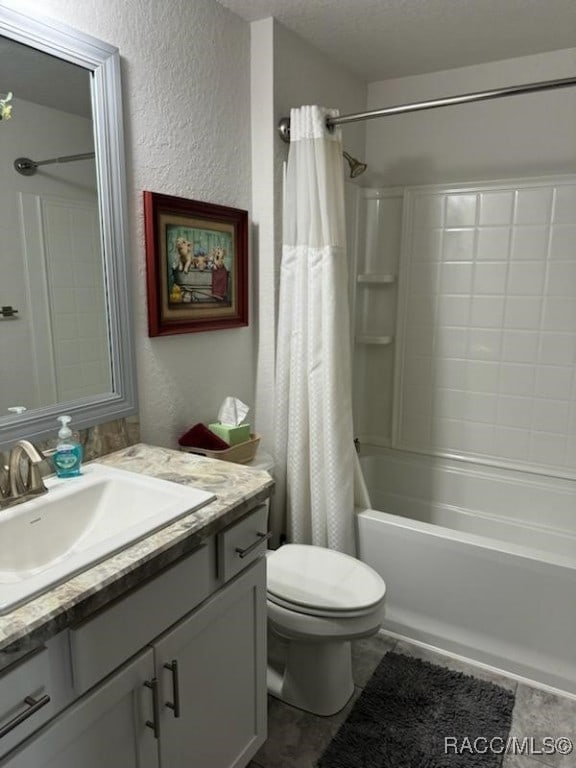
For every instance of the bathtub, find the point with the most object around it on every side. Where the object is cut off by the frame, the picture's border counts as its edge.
(478, 561)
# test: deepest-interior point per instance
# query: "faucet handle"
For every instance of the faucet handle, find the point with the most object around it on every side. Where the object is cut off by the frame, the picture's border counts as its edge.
(35, 483)
(4, 475)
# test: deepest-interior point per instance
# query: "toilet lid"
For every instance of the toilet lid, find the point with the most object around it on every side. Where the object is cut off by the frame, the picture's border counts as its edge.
(318, 578)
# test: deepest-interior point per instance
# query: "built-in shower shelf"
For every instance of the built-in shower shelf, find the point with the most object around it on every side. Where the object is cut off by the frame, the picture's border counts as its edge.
(365, 338)
(375, 278)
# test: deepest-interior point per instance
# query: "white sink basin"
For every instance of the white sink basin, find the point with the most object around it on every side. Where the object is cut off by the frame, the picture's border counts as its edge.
(81, 521)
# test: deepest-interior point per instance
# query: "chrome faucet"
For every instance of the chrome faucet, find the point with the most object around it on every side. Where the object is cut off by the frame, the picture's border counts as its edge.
(17, 485)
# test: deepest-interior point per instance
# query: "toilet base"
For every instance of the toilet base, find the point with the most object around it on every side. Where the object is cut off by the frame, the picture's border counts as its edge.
(313, 676)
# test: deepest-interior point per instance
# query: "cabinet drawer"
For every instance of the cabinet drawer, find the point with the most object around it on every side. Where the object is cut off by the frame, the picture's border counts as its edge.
(26, 699)
(242, 543)
(104, 641)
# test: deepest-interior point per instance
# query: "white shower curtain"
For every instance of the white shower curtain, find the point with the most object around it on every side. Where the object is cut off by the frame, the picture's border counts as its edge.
(314, 434)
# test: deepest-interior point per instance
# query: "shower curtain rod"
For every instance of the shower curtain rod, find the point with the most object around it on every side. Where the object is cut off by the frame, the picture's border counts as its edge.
(497, 93)
(28, 167)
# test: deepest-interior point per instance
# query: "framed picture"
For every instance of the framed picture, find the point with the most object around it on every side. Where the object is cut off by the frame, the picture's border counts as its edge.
(196, 265)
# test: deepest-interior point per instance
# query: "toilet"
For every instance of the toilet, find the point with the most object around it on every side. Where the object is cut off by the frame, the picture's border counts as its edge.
(318, 601)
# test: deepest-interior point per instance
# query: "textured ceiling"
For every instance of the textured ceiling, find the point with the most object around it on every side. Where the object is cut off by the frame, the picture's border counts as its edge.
(379, 39)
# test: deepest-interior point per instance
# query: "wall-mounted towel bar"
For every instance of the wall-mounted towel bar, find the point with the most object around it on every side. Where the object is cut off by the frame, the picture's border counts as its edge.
(8, 312)
(27, 167)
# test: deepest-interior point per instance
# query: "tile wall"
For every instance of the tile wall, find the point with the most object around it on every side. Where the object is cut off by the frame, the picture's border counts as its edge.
(75, 284)
(486, 347)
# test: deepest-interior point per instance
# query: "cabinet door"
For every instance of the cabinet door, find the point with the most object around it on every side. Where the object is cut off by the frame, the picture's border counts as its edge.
(220, 651)
(26, 692)
(107, 727)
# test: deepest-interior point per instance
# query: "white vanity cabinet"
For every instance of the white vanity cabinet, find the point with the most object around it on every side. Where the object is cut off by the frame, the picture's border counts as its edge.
(172, 675)
(212, 674)
(107, 727)
(33, 690)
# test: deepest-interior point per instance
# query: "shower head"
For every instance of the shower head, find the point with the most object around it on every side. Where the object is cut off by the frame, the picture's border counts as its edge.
(356, 167)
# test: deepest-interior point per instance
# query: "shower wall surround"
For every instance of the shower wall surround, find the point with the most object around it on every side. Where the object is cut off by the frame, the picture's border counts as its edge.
(485, 344)
(374, 302)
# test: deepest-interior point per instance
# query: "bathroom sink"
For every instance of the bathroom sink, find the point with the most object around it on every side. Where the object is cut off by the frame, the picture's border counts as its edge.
(81, 521)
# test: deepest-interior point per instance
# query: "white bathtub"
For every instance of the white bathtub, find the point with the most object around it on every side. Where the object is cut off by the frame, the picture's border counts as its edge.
(477, 561)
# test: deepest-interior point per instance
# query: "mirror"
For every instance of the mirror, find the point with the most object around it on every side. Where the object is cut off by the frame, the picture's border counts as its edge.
(65, 344)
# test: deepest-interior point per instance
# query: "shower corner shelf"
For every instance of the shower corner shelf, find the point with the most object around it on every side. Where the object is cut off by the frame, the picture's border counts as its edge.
(366, 338)
(375, 278)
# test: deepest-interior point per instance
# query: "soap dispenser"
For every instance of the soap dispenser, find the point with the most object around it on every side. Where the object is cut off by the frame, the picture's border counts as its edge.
(68, 455)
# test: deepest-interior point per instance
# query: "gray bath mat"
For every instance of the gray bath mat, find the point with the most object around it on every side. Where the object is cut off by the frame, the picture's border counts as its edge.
(409, 708)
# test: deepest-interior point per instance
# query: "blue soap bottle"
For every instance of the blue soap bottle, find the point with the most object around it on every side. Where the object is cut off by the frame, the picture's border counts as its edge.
(68, 455)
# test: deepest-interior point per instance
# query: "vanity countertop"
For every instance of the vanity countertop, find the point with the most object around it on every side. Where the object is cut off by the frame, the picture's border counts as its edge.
(238, 490)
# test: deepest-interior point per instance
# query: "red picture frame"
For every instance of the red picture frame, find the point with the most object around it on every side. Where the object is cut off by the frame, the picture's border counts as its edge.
(196, 265)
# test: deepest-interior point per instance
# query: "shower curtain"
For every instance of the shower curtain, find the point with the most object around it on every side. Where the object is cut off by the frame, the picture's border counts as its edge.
(314, 435)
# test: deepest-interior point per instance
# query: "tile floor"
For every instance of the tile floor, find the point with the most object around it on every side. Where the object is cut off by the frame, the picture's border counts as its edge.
(297, 739)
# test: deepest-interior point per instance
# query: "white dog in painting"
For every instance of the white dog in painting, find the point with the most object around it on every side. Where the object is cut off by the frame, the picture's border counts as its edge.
(184, 249)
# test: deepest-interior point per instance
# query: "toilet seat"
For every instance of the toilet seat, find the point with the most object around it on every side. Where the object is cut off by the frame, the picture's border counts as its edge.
(321, 582)
(327, 614)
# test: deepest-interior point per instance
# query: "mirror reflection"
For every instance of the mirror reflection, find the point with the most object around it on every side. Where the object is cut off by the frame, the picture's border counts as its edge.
(53, 328)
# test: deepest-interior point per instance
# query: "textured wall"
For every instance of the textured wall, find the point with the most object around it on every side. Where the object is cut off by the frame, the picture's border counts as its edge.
(264, 212)
(185, 68)
(286, 72)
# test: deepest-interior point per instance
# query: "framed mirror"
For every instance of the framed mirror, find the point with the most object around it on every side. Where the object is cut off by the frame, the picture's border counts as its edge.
(65, 322)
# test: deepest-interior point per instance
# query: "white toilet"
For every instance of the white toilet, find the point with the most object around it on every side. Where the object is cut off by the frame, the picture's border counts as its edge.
(318, 601)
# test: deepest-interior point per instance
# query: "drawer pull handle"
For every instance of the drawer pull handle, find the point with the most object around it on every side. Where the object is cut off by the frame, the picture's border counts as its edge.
(154, 724)
(33, 706)
(175, 704)
(261, 537)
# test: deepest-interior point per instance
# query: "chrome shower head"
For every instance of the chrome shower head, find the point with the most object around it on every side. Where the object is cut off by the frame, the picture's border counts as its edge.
(356, 167)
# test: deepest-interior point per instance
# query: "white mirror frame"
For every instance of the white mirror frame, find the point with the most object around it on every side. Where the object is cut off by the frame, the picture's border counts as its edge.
(103, 61)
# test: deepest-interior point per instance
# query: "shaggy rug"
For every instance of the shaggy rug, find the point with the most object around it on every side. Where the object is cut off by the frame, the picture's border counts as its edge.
(413, 714)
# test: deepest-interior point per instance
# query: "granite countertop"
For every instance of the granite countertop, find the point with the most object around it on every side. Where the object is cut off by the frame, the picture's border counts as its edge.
(238, 490)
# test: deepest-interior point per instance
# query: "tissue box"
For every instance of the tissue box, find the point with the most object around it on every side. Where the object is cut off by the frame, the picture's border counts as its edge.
(230, 433)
